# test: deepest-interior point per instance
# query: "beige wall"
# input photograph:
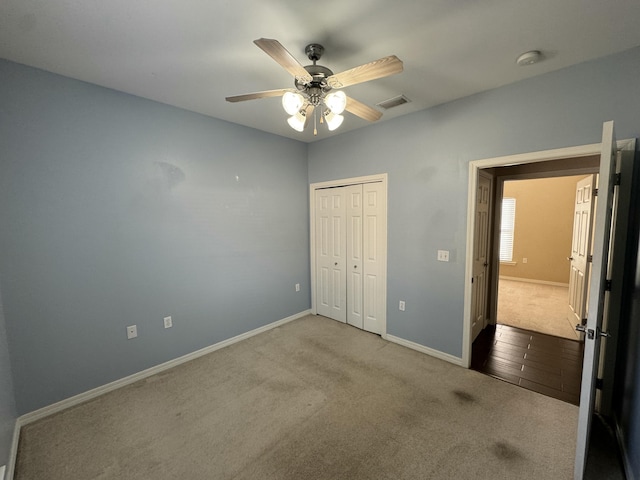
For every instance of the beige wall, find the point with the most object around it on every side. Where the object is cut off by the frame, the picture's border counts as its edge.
(543, 228)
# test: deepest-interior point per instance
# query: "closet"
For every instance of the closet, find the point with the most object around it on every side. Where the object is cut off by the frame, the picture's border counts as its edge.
(350, 254)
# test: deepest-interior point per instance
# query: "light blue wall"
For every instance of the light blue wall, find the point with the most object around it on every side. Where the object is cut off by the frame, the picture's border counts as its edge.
(116, 211)
(426, 155)
(8, 413)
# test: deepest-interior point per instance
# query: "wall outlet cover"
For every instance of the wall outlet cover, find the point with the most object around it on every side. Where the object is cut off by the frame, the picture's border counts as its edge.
(168, 322)
(132, 331)
(443, 255)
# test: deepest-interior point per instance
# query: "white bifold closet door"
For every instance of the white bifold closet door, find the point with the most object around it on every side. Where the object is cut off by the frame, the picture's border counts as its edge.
(348, 254)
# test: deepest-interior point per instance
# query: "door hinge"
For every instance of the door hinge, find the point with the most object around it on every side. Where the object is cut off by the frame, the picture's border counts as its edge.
(607, 286)
(599, 383)
(595, 192)
(589, 258)
(617, 179)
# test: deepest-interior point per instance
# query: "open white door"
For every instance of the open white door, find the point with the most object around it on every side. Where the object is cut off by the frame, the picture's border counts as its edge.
(581, 249)
(596, 295)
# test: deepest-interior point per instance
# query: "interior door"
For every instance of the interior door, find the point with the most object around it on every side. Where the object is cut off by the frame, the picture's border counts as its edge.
(581, 249)
(374, 234)
(350, 252)
(480, 257)
(353, 198)
(331, 242)
(596, 295)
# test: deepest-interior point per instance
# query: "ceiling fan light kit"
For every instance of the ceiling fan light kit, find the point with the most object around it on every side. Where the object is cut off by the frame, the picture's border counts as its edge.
(292, 102)
(333, 120)
(297, 121)
(336, 101)
(317, 87)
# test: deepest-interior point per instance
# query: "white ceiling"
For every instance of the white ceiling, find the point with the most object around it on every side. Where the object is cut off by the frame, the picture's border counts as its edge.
(194, 53)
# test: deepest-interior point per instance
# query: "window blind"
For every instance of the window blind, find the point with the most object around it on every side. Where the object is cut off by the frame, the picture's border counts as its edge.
(507, 225)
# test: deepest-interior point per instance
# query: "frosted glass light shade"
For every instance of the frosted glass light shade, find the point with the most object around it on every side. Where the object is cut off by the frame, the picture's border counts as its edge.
(336, 102)
(292, 102)
(333, 120)
(297, 121)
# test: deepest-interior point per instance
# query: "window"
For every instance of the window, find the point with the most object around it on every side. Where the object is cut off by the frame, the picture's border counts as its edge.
(507, 224)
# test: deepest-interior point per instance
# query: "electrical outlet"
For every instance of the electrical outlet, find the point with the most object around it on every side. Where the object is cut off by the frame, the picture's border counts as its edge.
(297, 287)
(401, 305)
(525, 260)
(168, 323)
(443, 255)
(132, 332)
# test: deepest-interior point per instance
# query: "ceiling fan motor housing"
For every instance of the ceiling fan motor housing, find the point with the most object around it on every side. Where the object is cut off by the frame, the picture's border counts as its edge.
(318, 85)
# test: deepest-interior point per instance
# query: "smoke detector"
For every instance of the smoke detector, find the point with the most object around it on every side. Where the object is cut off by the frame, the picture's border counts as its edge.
(529, 58)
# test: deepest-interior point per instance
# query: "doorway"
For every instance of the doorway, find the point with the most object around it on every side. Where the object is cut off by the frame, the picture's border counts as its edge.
(537, 250)
(530, 341)
(571, 161)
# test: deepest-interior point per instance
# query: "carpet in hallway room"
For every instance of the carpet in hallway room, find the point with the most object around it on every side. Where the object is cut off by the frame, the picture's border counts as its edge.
(311, 399)
(537, 307)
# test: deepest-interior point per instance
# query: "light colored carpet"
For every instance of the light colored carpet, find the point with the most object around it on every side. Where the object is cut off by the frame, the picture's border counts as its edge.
(313, 399)
(537, 307)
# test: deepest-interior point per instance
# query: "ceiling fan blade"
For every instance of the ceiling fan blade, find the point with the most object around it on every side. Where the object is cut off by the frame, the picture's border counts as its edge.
(255, 95)
(361, 110)
(382, 67)
(275, 50)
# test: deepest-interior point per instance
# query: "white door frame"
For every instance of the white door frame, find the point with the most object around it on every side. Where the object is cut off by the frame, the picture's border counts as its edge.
(474, 167)
(383, 178)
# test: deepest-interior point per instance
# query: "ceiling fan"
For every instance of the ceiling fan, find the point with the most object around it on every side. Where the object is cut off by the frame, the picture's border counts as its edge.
(318, 89)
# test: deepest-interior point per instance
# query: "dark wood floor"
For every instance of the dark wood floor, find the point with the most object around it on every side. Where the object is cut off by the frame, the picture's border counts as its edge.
(542, 363)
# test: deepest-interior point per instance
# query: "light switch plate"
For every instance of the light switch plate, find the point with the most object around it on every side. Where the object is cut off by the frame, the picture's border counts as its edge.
(168, 322)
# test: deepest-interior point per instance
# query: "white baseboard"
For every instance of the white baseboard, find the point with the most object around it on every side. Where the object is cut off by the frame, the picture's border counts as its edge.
(2, 470)
(422, 349)
(531, 280)
(96, 392)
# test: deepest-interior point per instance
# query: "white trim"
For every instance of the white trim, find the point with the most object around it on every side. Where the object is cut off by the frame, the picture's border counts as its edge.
(426, 350)
(474, 167)
(96, 392)
(13, 454)
(532, 280)
(2, 470)
(381, 177)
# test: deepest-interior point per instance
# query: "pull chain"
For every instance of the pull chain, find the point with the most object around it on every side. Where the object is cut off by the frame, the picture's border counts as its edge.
(315, 118)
